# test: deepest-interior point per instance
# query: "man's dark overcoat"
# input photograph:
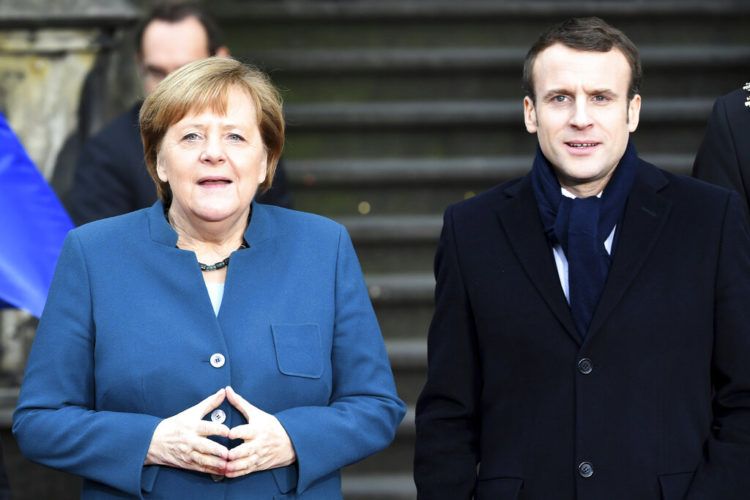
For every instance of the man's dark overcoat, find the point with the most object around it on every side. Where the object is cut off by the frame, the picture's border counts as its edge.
(654, 404)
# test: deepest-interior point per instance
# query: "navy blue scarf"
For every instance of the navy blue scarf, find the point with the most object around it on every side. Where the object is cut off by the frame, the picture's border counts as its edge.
(581, 227)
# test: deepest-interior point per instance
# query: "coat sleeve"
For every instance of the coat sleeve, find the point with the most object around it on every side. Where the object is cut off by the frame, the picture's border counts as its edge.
(446, 453)
(724, 473)
(717, 161)
(364, 410)
(56, 422)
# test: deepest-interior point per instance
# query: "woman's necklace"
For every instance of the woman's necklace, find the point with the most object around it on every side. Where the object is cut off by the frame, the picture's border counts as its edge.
(214, 267)
(221, 264)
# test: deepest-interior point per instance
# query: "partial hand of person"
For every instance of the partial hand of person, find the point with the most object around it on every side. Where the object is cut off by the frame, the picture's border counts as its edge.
(266, 443)
(182, 440)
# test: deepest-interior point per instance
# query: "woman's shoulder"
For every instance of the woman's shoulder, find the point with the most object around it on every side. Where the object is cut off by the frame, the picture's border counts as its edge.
(111, 229)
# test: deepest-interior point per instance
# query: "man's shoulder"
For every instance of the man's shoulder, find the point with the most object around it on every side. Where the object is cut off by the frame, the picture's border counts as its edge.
(121, 131)
(734, 106)
(736, 99)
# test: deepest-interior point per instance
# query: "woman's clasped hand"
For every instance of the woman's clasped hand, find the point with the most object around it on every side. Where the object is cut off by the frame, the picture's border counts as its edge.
(182, 440)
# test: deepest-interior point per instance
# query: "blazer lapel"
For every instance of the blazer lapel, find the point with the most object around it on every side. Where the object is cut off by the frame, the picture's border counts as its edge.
(645, 214)
(252, 266)
(519, 217)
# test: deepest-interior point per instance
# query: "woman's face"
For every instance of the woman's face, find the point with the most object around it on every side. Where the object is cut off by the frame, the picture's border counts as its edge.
(213, 163)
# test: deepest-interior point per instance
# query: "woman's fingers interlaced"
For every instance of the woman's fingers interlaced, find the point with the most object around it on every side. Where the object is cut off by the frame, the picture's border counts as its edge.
(182, 440)
(266, 444)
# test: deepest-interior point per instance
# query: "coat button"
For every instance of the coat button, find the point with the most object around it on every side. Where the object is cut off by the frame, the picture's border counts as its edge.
(585, 469)
(217, 478)
(218, 416)
(217, 360)
(585, 366)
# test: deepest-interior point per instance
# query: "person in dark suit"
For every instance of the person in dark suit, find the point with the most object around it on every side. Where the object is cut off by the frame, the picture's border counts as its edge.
(110, 176)
(724, 155)
(208, 346)
(591, 335)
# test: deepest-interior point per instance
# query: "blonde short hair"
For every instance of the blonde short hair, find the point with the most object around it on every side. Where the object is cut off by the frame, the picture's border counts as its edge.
(205, 84)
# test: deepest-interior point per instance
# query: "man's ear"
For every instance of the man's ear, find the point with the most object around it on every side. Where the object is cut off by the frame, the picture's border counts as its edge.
(529, 115)
(634, 112)
(222, 51)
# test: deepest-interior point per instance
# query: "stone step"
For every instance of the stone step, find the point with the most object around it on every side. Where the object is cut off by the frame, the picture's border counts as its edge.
(393, 229)
(305, 10)
(469, 23)
(387, 289)
(363, 188)
(447, 59)
(405, 320)
(403, 303)
(413, 172)
(450, 129)
(394, 243)
(396, 486)
(364, 74)
(398, 457)
(409, 363)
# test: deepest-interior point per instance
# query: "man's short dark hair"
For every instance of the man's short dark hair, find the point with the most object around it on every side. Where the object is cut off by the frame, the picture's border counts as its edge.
(174, 12)
(588, 34)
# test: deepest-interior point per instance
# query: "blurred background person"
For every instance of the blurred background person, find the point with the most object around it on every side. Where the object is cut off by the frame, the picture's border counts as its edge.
(167, 311)
(724, 155)
(110, 176)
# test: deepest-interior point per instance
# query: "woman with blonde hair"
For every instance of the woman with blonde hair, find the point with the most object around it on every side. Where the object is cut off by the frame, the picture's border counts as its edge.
(208, 346)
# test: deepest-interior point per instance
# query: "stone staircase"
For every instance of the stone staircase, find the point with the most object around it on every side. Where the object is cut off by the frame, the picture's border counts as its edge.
(398, 108)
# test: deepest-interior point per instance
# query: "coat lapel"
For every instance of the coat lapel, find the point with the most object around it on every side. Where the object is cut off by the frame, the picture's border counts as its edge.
(645, 214)
(519, 217)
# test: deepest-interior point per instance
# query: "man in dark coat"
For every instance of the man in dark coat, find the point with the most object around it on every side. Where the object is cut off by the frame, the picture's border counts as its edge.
(591, 336)
(110, 176)
(724, 155)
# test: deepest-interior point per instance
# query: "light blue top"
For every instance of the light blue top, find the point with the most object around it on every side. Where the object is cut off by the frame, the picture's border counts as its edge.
(215, 293)
(127, 337)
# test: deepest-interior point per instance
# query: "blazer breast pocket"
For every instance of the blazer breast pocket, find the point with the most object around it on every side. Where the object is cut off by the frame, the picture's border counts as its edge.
(298, 349)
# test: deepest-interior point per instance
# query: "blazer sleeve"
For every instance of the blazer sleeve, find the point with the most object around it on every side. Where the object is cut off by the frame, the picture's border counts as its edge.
(725, 472)
(364, 410)
(717, 159)
(446, 452)
(56, 422)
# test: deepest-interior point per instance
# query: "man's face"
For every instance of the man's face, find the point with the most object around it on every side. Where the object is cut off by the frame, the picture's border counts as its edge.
(168, 46)
(581, 114)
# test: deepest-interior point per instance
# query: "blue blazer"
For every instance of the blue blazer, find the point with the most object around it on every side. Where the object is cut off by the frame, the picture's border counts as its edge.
(128, 333)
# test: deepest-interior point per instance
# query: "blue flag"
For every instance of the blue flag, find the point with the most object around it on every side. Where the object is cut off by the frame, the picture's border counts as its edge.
(33, 225)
